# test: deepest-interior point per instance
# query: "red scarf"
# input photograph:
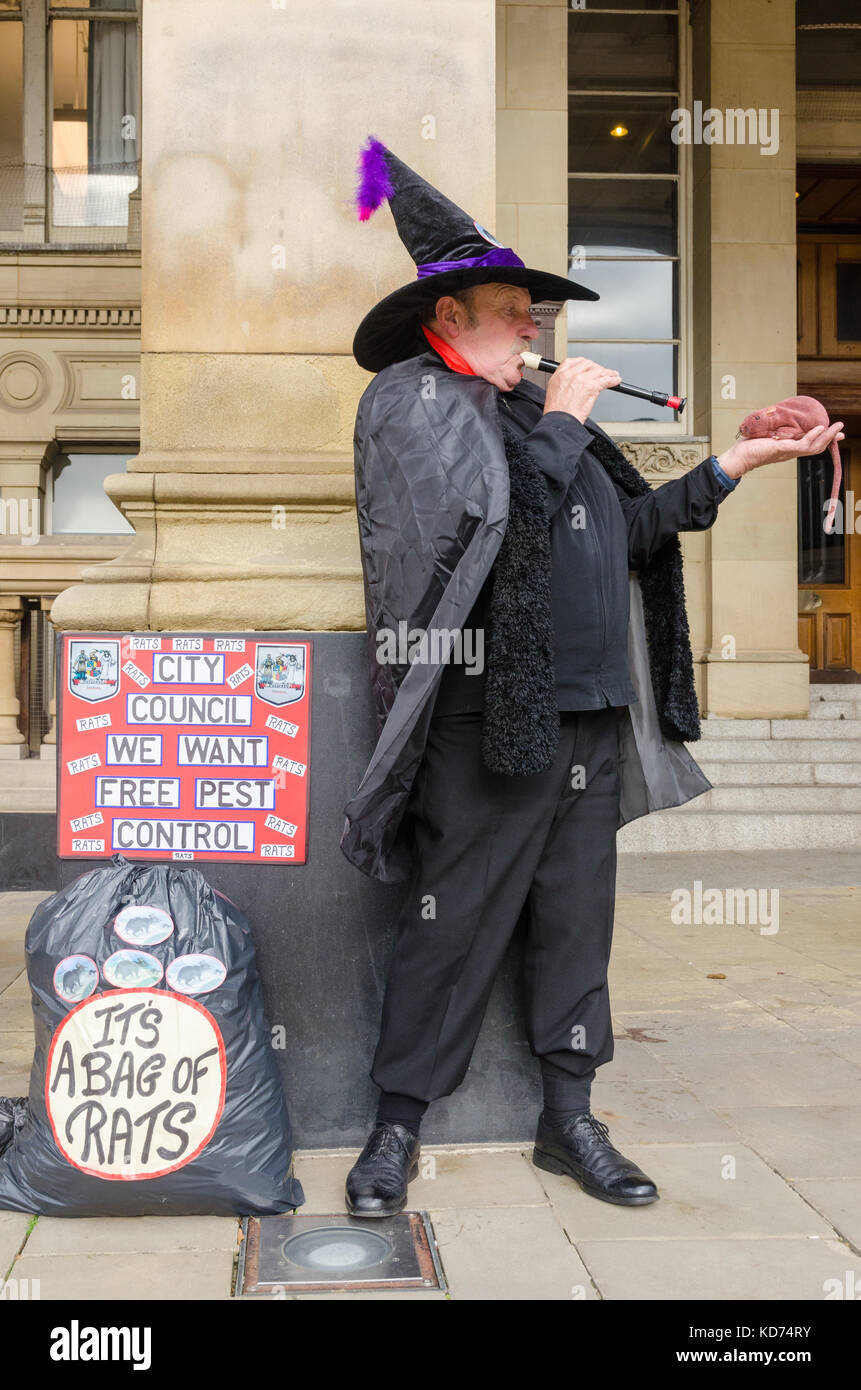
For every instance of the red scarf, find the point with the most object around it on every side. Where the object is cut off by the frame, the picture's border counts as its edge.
(447, 353)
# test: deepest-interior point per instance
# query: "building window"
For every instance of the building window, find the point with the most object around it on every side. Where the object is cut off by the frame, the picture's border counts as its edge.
(70, 178)
(79, 504)
(94, 128)
(828, 43)
(12, 195)
(624, 204)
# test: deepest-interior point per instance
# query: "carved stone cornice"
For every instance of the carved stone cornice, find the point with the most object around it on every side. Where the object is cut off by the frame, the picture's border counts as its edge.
(126, 318)
(661, 459)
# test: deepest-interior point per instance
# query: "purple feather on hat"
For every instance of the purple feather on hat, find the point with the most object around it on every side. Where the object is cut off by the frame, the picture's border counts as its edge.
(374, 181)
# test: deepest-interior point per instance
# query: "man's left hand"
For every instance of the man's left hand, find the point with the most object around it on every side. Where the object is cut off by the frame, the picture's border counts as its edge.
(747, 454)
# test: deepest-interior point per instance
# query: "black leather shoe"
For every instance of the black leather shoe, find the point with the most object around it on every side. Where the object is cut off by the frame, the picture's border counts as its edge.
(581, 1149)
(377, 1182)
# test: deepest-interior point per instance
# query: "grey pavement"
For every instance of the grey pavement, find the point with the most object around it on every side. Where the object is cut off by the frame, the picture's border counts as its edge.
(735, 1084)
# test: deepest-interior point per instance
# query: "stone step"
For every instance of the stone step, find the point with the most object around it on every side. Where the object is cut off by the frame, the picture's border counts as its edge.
(682, 829)
(713, 727)
(29, 772)
(775, 774)
(781, 750)
(792, 798)
(826, 722)
(835, 709)
(28, 799)
(849, 729)
(836, 692)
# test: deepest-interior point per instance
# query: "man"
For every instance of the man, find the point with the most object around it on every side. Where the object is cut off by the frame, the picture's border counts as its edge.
(485, 503)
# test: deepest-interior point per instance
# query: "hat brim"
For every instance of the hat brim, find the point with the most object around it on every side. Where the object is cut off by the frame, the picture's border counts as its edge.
(387, 334)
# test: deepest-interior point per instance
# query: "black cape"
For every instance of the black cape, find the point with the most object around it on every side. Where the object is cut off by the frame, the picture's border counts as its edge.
(432, 503)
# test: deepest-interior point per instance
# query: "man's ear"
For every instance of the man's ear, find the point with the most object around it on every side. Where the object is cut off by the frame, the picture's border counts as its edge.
(449, 315)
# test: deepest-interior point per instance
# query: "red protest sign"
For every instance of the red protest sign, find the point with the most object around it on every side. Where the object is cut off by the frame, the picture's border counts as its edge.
(183, 746)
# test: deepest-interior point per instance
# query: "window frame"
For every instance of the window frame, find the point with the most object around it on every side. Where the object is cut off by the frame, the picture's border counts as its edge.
(684, 386)
(36, 18)
(67, 446)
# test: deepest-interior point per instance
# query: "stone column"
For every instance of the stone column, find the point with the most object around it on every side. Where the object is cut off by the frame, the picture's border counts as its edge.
(532, 139)
(745, 302)
(48, 748)
(11, 739)
(255, 274)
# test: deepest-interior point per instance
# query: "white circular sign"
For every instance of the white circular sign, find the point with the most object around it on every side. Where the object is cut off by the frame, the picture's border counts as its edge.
(135, 1082)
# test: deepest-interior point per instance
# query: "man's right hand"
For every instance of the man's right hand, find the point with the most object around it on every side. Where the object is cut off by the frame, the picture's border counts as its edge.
(576, 385)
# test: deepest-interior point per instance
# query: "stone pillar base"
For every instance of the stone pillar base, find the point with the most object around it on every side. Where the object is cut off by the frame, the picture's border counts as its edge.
(220, 552)
(13, 752)
(757, 685)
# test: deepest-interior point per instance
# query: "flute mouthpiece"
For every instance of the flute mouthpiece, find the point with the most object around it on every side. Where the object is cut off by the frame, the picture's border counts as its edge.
(531, 360)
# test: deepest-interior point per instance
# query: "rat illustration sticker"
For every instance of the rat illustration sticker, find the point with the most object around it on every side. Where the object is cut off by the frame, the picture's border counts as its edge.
(75, 977)
(132, 969)
(196, 974)
(143, 926)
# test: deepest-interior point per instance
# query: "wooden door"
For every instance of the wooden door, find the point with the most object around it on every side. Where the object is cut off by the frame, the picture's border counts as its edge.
(829, 566)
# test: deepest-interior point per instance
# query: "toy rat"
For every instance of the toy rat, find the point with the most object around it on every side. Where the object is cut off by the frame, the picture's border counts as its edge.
(793, 419)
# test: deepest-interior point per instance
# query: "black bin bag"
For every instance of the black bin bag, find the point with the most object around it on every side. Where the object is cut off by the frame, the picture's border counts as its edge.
(154, 1089)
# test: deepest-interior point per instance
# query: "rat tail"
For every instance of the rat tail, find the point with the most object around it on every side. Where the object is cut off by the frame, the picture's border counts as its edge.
(835, 487)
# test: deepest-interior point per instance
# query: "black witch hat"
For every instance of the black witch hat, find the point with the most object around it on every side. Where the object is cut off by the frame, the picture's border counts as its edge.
(451, 251)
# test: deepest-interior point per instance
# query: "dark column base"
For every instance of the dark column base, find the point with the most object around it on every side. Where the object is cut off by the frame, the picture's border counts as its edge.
(324, 935)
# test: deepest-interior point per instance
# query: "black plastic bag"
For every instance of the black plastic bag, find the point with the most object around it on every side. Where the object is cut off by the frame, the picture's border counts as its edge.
(13, 1114)
(153, 1090)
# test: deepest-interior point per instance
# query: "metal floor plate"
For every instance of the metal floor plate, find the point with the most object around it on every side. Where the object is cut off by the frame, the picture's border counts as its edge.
(305, 1252)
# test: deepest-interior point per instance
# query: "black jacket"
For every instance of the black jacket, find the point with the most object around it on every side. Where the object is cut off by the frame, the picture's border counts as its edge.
(597, 535)
(432, 502)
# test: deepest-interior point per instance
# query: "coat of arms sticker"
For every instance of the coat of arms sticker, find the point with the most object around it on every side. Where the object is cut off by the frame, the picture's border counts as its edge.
(93, 669)
(279, 673)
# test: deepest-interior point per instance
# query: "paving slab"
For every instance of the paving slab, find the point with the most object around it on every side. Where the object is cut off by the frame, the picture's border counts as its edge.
(818, 1020)
(828, 869)
(771, 989)
(801, 1075)
(16, 1060)
(13, 1228)
(636, 993)
(778, 1269)
(453, 1180)
(11, 951)
(846, 1043)
(475, 1177)
(657, 1112)
(734, 1025)
(323, 1177)
(18, 908)
(16, 1015)
(803, 1141)
(839, 1201)
(130, 1277)
(135, 1235)
(698, 1199)
(632, 1059)
(509, 1253)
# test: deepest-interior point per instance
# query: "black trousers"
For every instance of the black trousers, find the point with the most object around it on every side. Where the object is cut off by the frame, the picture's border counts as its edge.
(488, 844)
